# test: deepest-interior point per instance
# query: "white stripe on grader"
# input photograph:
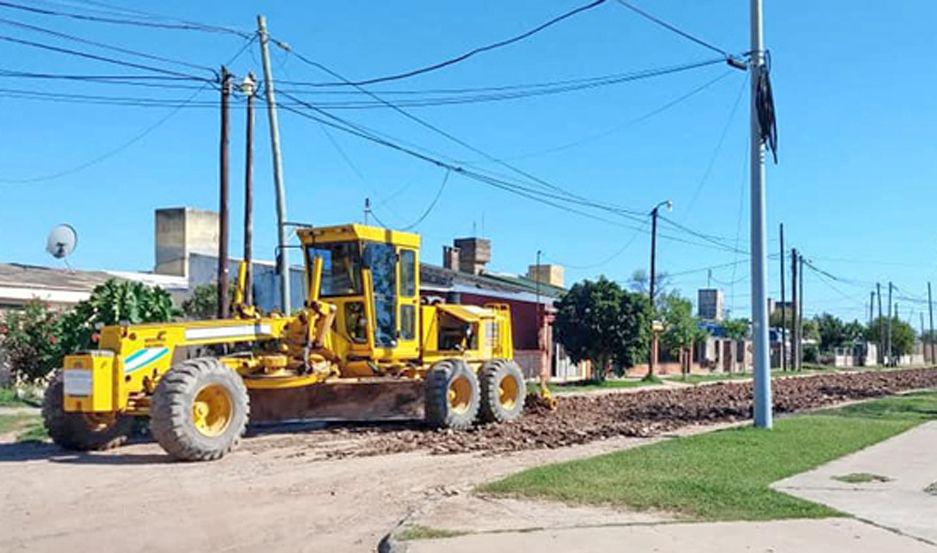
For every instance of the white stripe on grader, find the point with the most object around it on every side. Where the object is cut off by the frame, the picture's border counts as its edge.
(226, 332)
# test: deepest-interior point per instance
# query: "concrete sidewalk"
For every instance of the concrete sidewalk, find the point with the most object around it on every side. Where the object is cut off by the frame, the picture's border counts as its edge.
(908, 461)
(789, 536)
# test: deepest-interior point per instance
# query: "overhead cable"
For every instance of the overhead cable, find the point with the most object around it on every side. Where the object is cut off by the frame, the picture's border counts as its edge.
(473, 52)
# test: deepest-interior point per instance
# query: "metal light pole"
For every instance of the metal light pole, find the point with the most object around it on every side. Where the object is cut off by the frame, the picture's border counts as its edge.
(759, 242)
(652, 355)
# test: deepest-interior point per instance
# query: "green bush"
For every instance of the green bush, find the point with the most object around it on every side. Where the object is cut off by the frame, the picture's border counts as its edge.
(36, 338)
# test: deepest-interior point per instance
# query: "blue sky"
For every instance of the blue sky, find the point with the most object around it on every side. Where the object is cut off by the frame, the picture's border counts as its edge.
(853, 84)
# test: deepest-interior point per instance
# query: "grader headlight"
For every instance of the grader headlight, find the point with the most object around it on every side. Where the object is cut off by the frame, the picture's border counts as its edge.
(88, 379)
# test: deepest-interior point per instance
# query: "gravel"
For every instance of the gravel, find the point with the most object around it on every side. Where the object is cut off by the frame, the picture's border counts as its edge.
(584, 418)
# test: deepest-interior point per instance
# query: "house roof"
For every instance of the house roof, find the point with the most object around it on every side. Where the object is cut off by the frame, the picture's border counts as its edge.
(20, 283)
(34, 276)
(439, 277)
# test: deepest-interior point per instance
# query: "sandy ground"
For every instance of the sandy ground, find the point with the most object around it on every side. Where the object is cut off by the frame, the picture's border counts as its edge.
(276, 493)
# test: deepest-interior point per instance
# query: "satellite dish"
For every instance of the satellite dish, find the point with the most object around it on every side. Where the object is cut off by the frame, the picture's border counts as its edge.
(62, 241)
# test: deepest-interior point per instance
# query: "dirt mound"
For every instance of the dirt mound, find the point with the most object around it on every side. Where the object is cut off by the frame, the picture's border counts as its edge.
(581, 419)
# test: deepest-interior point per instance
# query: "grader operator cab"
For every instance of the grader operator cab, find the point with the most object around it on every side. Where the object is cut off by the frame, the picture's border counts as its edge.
(363, 322)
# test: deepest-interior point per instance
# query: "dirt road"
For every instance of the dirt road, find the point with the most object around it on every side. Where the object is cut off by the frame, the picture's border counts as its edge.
(341, 489)
(268, 496)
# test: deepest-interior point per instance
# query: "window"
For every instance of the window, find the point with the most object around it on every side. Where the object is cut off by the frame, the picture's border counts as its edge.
(407, 322)
(341, 268)
(382, 260)
(407, 273)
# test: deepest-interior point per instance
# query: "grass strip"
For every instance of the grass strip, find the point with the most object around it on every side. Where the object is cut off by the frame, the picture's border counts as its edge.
(724, 475)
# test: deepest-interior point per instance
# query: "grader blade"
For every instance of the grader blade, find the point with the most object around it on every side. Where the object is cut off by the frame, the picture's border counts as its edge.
(376, 399)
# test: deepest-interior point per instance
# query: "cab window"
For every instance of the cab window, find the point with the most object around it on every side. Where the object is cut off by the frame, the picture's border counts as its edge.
(341, 268)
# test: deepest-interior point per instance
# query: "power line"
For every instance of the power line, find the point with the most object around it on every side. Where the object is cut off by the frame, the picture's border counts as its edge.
(451, 137)
(673, 28)
(96, 57)
(432, 204)
(625, 125)
(715, 154)
(103, 45)
(182, 26)
(471, 53)
(123, 146)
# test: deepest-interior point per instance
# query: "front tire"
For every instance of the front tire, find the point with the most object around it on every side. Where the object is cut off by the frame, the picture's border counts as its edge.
(81, 431)
(452, 395)
(200, 410)
(503, 391)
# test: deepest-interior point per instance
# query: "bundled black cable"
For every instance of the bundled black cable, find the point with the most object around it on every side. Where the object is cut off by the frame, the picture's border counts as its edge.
(764, 103)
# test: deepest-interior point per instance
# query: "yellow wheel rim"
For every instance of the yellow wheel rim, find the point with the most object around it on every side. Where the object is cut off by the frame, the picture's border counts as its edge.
(211, 410)
(507, 392)
(460, 395)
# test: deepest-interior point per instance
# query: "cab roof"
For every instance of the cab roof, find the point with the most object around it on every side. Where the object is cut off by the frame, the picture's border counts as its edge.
(356, 232)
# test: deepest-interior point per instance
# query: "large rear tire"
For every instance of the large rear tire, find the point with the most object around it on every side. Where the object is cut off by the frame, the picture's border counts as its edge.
(503, 391)
(200, 410)
(452, 395)
(81, 431)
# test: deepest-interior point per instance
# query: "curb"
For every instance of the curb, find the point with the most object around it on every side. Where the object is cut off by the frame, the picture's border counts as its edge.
(390, 544)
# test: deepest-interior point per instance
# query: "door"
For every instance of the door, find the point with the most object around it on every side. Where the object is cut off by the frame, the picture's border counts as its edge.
(381, 259)
(409, 296)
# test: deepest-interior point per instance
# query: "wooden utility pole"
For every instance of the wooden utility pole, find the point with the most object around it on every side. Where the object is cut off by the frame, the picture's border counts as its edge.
(223, 198)
(800, 313)
(930, 310)
(890, 316)
(881, 325)
(783, 348)
(248, 88)
(283, 257)
(795, 338)
(923, 345)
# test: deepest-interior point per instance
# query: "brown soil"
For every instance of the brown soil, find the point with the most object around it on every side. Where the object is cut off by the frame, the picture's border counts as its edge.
(582, 419)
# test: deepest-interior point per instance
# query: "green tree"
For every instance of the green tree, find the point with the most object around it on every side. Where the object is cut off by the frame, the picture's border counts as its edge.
(902, 335)
(40, 337)
(29, 338)
(832, 332)
(681, 328)
(735, 329)
(604, 324)
(202, 303)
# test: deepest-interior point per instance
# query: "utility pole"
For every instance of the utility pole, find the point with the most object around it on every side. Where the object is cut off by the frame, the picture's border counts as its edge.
(923, 346)
(881, 326)
(890, 316)
(223, 198)
(783, 348)
(759, 241)
(652, 356)
(367, 209)
(247, 88)
(800, 313)
(930, 310)
(871, 308)
(283, 258)
(795, 338)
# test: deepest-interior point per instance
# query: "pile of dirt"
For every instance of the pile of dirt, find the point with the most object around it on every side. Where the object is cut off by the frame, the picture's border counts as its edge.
(581, 419)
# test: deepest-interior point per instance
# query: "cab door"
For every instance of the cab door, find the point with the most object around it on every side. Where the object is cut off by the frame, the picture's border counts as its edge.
(408, 294)
(381, 261)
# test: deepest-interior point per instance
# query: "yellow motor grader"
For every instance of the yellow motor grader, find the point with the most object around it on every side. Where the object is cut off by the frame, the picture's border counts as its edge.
(201, 382)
